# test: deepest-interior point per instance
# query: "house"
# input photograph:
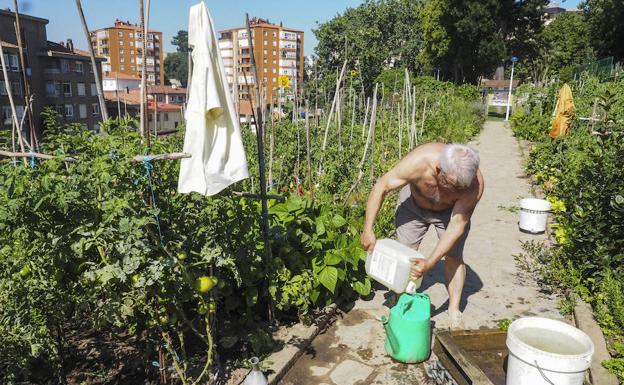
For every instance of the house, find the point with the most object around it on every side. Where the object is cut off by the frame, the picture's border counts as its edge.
(115, 81)
(59, 76)
(168, 94)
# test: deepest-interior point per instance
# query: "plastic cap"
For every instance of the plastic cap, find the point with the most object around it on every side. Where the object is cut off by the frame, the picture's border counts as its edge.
(411, 288)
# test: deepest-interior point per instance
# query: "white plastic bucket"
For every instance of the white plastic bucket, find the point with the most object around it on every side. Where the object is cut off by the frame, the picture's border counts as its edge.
(534, 215)
(547, 352)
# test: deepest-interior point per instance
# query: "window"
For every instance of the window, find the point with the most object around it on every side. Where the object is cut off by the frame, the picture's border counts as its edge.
(67, 91)
(82, 111)
(79, 67)
(266, 42)
(131, 60)
(121, 51)
(96, 128)
(166, 115)
(159, 98)
(274, 43)
(60, 109)
(95, 108)
(14, 63)
(274, 34)
(266, 51)
(274, 53)
(19, 111)
(122, 67)
(266, 33)
(274, 80)
(265, 70)
(81, 89)
(273, 70)
(120, 34)
(7, 116)
(131, 34)
(3, 90)
(69, 111)
(131, 44)
(50, 89)
(120, 42)
(121, 60)
(274, 61)
(93, 90)
(16, 88)
(131, 52)
(265, 61)
(6, 61)
(65, 66)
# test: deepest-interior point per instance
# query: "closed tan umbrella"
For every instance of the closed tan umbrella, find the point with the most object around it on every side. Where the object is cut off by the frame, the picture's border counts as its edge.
(563, 113)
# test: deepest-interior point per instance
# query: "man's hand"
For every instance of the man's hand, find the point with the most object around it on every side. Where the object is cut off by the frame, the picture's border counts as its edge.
(367, 239)
(419, 267)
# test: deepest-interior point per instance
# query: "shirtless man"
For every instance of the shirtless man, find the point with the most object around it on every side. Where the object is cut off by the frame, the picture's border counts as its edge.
(440, 185)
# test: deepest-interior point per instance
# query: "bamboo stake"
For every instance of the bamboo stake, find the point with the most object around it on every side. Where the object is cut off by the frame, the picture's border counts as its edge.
(261, 166)
(308, 155)
(370, 137)
(422, 122)
(11, 154)
(27, 98)
(271, 147)
(170, 156)
(96, 73)
(7, 85)
(331, 111)
(365, 118)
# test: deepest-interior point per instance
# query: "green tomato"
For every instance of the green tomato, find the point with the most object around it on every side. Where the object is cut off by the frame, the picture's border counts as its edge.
(163, 320)
(215, 281)
(25, 271)
(135, 278)
(202, 309)
(212, 307)
(151, 323)
(181, 256)
(204, 284)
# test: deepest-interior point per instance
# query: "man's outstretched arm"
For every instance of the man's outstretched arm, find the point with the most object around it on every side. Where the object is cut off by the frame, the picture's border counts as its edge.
(392, 180)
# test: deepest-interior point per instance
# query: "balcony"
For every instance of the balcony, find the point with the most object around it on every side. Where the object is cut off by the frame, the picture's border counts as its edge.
(226, 44)
(288, 36)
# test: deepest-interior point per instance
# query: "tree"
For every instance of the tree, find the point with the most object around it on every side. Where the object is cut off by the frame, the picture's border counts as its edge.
(180, 40)
(375, 35)
(567, 41)
(470, 38)
(605, 25)
(176, 63)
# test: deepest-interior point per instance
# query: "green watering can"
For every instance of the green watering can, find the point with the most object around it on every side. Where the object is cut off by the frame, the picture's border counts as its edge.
(408, 330)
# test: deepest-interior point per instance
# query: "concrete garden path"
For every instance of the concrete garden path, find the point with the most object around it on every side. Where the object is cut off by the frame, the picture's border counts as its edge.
(351, 351)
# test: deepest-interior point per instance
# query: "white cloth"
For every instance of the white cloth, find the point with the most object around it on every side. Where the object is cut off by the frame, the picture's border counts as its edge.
(213, 135)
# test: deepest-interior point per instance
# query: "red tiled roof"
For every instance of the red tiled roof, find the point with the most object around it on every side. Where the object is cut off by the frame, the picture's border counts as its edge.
(157, 89)
(497, 83)
(56, 48)
(133, 97)
(164, 107)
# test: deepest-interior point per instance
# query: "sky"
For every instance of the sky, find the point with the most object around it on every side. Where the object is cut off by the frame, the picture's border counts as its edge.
(169, 16)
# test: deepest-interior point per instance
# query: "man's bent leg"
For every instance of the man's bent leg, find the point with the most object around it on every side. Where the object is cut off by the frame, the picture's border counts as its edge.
(455, 273)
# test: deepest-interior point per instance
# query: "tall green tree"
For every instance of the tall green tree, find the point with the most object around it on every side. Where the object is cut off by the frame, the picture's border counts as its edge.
(470, 38)
(377, 34)
(606, 25)
(567, 41)
(176, 63)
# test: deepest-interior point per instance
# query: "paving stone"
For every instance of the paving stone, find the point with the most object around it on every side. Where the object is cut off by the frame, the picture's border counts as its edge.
(349, 372)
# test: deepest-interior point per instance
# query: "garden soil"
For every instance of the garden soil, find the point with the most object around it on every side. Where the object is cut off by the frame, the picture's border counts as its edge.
(351, 351)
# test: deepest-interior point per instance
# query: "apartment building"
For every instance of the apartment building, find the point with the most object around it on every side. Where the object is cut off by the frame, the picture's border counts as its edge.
(122, 47)
(278, 50)
(60, 76)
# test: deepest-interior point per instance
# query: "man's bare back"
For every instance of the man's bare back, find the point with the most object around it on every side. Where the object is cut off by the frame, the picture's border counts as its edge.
(420, 168)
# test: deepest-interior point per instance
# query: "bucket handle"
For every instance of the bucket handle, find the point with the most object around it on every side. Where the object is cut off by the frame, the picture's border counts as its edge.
(542, 373)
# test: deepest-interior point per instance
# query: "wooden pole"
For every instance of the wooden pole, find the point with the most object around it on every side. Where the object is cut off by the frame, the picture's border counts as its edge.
(370, 137)
(422, 122)
(331, 111)
(308, 156)
(96, 73)
(261, 165)
(27, 98)
(7, 85)
(365, 117)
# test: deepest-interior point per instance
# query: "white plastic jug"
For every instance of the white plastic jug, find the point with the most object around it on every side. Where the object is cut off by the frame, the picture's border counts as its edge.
(389, 264)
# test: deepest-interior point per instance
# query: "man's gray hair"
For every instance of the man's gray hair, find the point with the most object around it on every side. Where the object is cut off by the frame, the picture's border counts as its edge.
(461, 163)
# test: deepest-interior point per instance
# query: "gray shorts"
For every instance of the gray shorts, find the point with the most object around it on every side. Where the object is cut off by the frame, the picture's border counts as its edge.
(412, 223)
